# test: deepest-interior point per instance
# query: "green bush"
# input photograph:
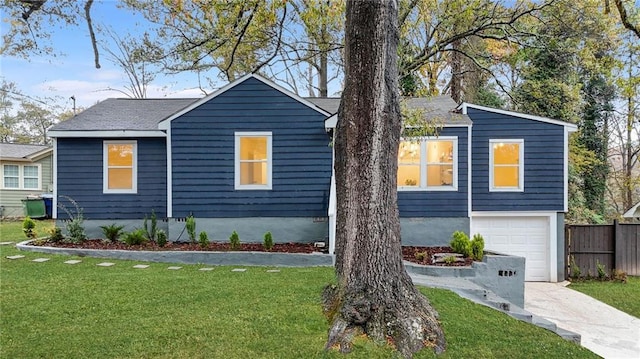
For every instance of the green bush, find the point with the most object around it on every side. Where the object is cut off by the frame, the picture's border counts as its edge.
(602, 273)
(477, 247)
(135, 238)
(161, 238)
(152, 232)
(234, 241)
(575, 269)
(204, 240)
(55, 235)
(29, 228)
(191, 228)
(75, 225)
(460, 243)
(267, 243)
(112, 232)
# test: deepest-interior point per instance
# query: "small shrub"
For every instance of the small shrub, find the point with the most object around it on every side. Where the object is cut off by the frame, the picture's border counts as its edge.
(135, 238)
(461, 243)
(602, 273)
(575, 270)
(112, 232)
(450, 259)
(161, 238)
(204, 240)
(420, 255)
(618, 275)
(75, 226)
(191, 228)
(55, 235)
(267, 243)
(234, 241)
(477, 247)
(29, 228)
(151, 232)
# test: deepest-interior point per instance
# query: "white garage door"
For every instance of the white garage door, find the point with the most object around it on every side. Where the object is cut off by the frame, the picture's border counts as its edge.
(521, 236)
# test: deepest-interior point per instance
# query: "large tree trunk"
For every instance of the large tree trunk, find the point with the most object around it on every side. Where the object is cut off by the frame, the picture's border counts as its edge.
(374, 294)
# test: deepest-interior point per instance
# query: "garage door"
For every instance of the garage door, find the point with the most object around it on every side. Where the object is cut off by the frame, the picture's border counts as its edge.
(521, 236)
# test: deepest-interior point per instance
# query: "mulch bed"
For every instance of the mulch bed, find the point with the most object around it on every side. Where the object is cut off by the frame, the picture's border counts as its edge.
(408, 252)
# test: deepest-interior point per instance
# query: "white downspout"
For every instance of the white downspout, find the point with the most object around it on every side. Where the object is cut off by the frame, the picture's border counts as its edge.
(332, 215)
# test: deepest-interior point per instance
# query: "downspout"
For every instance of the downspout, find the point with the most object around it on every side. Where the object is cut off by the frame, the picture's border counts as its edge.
(332, 214)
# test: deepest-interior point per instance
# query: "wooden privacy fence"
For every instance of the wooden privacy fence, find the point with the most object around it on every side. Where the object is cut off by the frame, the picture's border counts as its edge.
(616, 246)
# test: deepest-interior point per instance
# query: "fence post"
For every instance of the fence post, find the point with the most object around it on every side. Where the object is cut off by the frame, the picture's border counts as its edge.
(617, 248)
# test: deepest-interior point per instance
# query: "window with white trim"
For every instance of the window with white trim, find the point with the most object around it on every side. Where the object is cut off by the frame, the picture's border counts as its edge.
(428, 163)
(21, 177)
(506, 164)
(120, 166)
(253, 160)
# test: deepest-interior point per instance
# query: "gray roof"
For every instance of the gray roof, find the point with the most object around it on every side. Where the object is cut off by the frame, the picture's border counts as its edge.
(20, 151)
(440, 108)
(124, 114)
(116, 114)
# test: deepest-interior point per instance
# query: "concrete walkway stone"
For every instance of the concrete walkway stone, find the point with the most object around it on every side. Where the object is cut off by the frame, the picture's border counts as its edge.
(141, 266)
(40, 260)
(72, 261)
(6, 243)
(206, 269)
(105, 264)
(15, 257)
(174, 268)
(239, 270)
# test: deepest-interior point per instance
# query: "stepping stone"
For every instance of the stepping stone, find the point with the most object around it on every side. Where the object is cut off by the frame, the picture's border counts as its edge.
(15, 257)
(239, 270)
(206, 269)
(174, 268)
(105, 264)
(73, 261)
(273, 270)
(40, 260)
(141, 266)
(5, 243)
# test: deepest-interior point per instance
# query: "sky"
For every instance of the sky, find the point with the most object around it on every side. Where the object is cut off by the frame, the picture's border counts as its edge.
(73, 73)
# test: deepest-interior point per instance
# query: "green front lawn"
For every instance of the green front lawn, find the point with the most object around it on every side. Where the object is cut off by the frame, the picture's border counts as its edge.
(59, 310)
(623, 296)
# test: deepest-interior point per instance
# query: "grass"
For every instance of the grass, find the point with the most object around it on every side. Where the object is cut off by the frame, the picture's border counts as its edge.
(623, 296)
(53, 309)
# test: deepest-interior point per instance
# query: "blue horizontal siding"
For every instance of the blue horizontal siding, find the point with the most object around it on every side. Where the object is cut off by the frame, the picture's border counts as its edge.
(441, 203)
(203, 143)
(80, 178)
(543, 163)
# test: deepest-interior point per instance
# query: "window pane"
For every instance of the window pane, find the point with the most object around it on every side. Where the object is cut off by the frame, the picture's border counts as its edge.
(253, 173)
(253, 148)
(10, 171)
(506, 153)
(409, 175)
(505, 176)
(11, 182)
(120, 155)
(439, 151)
(31, 183)
(31, 171)
(120, 178)
(439, 175)
(409, 153)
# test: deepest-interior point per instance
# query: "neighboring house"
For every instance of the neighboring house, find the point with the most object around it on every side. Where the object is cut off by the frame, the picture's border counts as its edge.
(25, 170)
(254, 157)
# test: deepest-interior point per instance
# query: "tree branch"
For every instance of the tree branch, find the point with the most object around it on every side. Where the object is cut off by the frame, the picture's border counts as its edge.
(87, 14)
(624, 17)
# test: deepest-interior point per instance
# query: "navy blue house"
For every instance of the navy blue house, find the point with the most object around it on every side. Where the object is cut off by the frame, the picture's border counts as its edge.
(253, 157)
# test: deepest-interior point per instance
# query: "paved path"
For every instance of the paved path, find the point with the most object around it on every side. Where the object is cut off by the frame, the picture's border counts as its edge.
(605, 330)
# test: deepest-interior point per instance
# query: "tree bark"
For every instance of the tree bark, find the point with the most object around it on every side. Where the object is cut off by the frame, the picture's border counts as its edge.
(374, 294)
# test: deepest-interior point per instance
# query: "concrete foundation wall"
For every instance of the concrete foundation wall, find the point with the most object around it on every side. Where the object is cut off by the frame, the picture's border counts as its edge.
(431, 232)
(503, 275)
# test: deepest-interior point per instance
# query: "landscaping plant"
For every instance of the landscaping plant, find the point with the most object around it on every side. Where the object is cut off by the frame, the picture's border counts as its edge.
(204, 239)
(234, 241)
(55, 235)
(135, 238)
(477, 247)
(152, 232)
(602, 273)
(268, 241)
(161, 238)
(29, 228)
(112, 232)
(460, 243)
(191, 228)
(75, 227)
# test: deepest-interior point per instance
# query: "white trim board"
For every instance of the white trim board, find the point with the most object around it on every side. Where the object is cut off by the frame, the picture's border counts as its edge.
(465, 106)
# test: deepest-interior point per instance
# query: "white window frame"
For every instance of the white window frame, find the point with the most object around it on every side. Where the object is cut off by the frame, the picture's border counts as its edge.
(268, 185)
(21, 176)
(422, 186)
(520, 187)
(105, 167)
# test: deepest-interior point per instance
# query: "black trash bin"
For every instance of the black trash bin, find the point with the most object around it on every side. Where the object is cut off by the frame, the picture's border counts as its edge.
(48, 204)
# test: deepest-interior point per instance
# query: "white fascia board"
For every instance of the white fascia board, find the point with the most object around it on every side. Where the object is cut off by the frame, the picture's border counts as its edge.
(40, 154)
(331, 122)
(164, 124)
(106, 134)
(465, 106)
(513, 213)
(633, 212)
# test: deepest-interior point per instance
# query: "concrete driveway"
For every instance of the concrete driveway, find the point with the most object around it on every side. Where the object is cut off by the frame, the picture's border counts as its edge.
(605, 330)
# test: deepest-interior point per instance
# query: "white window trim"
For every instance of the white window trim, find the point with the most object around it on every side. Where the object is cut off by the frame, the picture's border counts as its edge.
(21, 176)
(423, 165)
(520, 187)
(105, 167)
(237, 184)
